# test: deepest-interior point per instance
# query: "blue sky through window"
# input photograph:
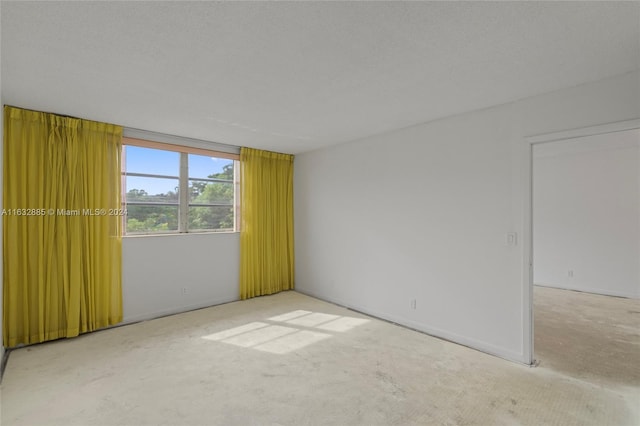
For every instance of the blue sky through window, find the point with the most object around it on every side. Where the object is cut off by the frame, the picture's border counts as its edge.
(159, 162)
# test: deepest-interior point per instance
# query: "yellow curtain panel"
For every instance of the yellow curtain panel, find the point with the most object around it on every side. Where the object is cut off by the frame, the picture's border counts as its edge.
(62, 226)
(266, 235)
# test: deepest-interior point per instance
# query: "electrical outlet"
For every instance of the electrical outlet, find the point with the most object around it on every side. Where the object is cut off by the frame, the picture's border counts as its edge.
(413, 304)
(185, 290)
(570, 273)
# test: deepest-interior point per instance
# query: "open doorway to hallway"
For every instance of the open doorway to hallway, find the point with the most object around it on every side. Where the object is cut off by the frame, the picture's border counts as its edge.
(586, 256)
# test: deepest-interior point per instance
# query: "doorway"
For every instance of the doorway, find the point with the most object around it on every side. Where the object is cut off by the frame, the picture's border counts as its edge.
(584, 228)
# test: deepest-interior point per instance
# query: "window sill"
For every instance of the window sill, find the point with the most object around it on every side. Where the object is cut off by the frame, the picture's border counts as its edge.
(175, 234)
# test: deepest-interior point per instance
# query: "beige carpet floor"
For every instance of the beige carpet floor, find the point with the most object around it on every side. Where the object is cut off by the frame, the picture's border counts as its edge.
(289, 359)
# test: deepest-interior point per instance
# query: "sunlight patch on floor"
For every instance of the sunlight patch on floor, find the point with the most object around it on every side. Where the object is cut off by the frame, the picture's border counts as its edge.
(291, 342)
(235, 331)
(289, 315)
(262, 335)
(313, 319)
(289, 333)
(343, 324)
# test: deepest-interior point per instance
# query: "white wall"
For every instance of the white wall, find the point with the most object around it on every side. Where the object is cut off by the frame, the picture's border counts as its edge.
(586, 216)
(1, 224)
(1, 221)
(422, 213)
(157, 268)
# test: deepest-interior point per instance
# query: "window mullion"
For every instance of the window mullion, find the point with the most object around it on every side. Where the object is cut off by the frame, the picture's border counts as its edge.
(183, 210)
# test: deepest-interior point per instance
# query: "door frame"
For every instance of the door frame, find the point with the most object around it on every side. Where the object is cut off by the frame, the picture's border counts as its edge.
(527, 240)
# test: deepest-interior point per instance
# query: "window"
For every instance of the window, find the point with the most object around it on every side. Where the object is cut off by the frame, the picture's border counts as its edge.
(169, 188)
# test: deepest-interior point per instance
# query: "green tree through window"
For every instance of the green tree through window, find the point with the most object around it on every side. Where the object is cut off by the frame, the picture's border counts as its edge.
(211, 204)
(154, 179)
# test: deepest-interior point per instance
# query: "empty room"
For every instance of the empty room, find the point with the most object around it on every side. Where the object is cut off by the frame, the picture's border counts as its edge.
(320, 213)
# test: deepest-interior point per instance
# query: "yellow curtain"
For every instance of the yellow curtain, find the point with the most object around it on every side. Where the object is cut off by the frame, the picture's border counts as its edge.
(266, 235)
(62, 226)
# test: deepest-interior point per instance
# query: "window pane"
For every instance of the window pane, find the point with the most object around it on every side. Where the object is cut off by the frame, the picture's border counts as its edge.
(202, 166)
(219, 217)
(210, 193)
(152, 218)
(153, 202)
(151, 161)
(151, 190)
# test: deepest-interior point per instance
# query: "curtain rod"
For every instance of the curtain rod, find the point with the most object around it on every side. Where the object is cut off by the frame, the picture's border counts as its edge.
(179, 140)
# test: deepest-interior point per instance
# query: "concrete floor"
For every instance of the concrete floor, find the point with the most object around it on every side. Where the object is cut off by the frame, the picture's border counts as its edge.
(289, 359)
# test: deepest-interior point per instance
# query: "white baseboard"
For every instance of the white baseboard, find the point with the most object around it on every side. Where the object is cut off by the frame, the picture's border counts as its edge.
(424, 328)
(600, 291)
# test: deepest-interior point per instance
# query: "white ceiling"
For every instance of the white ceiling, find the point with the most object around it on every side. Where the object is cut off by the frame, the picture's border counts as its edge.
(296, 76)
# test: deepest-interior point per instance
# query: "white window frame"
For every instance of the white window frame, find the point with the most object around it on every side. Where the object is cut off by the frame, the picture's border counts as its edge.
(183, 182)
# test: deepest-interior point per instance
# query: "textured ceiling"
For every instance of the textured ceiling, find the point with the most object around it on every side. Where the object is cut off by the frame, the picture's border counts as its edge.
(296, 76)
